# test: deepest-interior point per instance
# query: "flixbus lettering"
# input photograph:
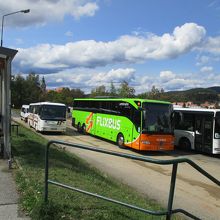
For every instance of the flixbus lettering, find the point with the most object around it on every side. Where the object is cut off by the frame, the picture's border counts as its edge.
(108, 122)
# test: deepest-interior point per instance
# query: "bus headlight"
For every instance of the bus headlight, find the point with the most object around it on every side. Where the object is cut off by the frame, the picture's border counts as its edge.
(145, 142)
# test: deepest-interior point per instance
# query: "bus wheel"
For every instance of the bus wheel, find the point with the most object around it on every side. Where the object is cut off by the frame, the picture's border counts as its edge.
(120, 140)
(78, 127)
(184, 144)
(83, 129)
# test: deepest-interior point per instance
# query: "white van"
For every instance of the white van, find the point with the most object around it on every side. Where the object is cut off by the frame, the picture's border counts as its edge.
(24, 112)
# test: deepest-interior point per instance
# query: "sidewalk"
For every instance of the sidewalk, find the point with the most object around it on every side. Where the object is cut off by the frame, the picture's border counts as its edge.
(8, 195)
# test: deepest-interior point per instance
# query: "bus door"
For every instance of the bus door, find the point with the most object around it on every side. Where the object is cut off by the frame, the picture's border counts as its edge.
(203, 133)
(136, 130)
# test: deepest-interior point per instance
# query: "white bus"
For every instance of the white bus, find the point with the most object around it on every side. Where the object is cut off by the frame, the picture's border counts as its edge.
(47, 116)
(197, 129)
(24, 112)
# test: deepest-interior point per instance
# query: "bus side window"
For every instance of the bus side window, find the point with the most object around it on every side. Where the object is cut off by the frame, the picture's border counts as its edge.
(96, 106)
(75, 103)
(187, 122)
(36, 109)
(177, 119)
(116, 107)
(198, 124)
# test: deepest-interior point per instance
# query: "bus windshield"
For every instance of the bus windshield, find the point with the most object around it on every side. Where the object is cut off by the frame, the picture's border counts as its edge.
(157, 118)
(53, 112)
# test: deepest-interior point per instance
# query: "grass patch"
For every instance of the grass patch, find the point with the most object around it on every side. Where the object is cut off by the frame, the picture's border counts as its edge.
(29, 148)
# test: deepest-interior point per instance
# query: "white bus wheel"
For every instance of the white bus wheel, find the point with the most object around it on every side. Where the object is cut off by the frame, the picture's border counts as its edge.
(184, 144)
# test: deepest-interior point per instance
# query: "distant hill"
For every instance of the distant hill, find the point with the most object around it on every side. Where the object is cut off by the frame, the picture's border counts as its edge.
(215, 88)
(196, 95)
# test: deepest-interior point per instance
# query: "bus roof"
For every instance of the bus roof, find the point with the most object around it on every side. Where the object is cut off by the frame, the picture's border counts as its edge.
(123, 99)
(196, 109)
(48, 103)
(25, 106)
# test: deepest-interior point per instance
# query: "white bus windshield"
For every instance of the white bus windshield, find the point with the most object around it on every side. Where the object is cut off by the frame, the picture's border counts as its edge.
(157, 118)
(53, 112)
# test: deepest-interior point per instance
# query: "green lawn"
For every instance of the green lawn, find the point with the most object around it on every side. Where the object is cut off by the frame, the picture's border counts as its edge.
(29, 148)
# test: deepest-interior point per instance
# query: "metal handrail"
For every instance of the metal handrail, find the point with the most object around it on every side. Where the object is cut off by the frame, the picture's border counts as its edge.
(168, 213)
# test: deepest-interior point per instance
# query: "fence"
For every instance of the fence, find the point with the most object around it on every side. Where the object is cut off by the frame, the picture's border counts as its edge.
(168, 213)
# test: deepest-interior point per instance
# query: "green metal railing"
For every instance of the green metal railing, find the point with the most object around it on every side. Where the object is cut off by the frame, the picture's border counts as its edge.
(168, 213)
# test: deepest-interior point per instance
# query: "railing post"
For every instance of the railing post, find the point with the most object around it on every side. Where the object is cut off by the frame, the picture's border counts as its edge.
(171, 193)
(46, 174)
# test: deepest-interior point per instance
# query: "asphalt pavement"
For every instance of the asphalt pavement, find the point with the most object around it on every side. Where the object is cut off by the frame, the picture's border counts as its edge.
(8, 195)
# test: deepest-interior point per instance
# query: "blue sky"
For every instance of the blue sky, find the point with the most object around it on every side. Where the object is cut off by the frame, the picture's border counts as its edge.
(172, 44)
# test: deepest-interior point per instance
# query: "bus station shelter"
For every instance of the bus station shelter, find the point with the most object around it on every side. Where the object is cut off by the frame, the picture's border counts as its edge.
(6, 57)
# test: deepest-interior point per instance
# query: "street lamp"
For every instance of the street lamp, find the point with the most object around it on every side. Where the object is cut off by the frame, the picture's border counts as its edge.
(22, 11)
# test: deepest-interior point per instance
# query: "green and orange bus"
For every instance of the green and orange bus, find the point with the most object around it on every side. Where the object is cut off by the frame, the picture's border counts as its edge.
(136, 123)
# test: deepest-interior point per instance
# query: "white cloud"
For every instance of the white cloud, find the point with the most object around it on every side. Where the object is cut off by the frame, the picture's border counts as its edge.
(19, 41)
(181, 83)
(130, 49)
(69, 34)
(86, 79)
(202, 60)
(167, 75)
(167, 46)
(42, 12)
(206, 69)
(59, 80)
(114, 75)
(211, 45)
(170, 81)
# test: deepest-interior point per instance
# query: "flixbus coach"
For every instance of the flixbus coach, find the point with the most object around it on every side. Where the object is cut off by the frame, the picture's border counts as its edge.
(136, 123)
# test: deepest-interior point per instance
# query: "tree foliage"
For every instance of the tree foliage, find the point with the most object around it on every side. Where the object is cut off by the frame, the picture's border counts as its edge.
(33, 89)
(124, 91)
(25, 91)
(99, 91)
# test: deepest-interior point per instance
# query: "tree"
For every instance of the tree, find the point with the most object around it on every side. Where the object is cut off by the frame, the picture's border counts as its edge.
(125, 91)
(77, 93)
(113, 91)
(33, 87)
(154, 93)
(43, 89)
(65, 96)
(18, 91)
(99, 91)
(26, 91)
